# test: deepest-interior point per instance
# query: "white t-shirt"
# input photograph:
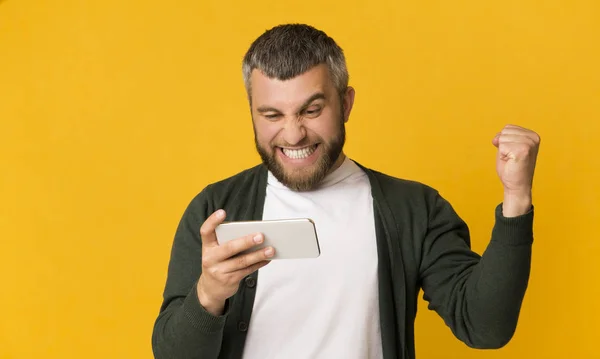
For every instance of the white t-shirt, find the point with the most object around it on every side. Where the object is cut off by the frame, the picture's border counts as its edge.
(326, 307)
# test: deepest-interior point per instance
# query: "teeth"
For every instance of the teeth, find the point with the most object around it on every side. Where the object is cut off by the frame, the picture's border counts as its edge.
(299, 154)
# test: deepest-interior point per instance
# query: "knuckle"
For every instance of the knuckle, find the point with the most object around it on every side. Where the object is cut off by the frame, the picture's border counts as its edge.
(214, 271)
(204, 230)
(242, 261)
(207, 259)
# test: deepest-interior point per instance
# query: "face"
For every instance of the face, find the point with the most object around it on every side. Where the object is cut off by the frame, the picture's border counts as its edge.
(299, 126)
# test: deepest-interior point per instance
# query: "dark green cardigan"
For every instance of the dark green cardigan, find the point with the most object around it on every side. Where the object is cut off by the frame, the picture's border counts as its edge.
(422, 243)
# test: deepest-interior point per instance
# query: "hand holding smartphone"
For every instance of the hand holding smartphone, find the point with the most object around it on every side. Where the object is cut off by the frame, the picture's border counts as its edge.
(291, 238)
(224, 266)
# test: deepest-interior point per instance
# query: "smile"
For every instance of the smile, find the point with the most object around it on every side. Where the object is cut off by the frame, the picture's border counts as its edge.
(299, 153)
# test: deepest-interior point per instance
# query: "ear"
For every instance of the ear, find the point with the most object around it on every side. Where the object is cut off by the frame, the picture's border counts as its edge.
(348, 102)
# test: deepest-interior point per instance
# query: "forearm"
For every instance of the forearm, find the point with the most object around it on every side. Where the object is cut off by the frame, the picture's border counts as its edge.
(187, 330)
(495, 289)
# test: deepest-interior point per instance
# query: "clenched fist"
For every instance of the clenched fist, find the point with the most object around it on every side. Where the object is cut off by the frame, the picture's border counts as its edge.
(515, 163)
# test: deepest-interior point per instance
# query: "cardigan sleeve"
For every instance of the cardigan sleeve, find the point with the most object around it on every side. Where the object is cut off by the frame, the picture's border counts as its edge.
(478, 297)
(183, 328)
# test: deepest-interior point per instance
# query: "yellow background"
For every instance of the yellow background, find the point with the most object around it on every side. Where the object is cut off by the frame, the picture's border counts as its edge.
(114, 114)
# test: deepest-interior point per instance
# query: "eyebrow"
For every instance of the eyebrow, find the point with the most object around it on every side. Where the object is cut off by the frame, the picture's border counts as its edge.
(316, 96)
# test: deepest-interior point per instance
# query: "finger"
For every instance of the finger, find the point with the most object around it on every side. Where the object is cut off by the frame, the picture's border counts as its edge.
(207, 230)
(514, 138)
(495, 140)
(248, 260)
(236, 246)
(510, 125)
(516, 130)
(515, 127)
(515, 147)
(249, 270)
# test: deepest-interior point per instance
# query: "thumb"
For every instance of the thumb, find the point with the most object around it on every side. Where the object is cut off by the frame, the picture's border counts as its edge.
(207, 231)
(496, 140)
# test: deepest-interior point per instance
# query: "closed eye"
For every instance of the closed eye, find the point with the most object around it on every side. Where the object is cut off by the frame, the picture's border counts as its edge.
(312, 112)
(272, 116)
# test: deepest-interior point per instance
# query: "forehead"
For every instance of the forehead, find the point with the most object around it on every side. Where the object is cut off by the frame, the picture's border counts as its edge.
(290, 92)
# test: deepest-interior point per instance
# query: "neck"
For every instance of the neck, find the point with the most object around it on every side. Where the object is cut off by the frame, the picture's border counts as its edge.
(338, 162)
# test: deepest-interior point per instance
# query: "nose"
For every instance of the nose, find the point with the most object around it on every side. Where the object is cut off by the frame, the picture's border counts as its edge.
(294, 132)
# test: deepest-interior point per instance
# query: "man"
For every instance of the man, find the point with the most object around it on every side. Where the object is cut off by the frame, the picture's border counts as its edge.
(381, 238)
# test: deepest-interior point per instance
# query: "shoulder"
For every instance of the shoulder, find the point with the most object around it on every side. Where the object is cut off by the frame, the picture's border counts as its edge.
(241, 179)
(404, 197)
(397, 186)
(410, 197)
(240, 184)
(409, 185)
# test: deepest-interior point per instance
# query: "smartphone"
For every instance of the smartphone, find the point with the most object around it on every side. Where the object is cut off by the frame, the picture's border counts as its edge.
(292, 238)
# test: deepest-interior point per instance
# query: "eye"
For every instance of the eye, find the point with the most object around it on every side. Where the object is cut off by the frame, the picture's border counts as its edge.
(272, 116)
(312, 111)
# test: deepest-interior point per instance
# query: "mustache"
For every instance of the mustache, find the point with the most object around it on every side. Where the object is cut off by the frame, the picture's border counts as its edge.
(303, 143)
(298, 145)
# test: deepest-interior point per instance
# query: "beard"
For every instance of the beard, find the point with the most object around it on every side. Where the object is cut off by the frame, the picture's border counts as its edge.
(308, 178)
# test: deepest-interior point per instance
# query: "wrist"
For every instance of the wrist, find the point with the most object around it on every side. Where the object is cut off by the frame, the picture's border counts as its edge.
(516, 203)
(213, 306)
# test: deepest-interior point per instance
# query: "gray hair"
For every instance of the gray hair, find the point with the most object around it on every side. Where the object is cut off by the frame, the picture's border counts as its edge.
(289, 50)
